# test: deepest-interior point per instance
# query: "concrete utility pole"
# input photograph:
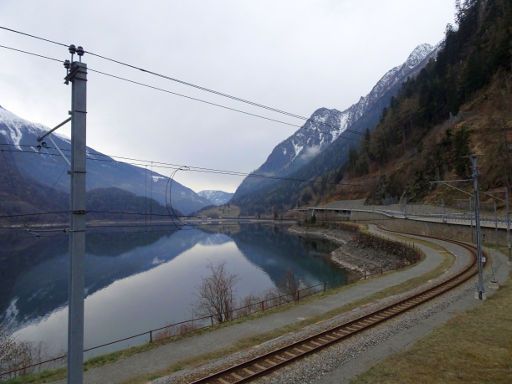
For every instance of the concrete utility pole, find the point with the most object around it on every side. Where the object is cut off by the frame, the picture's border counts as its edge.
(509, 245)
(78, 77)
(480, 286)
(471, 219)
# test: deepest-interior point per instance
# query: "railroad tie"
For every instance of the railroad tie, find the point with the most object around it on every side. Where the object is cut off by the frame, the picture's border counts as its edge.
(260, 367)
(299, 350)
(249, 371)
(236, 376)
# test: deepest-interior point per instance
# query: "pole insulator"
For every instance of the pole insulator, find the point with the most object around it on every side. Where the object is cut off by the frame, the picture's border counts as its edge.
(80, 51)
(72, 49)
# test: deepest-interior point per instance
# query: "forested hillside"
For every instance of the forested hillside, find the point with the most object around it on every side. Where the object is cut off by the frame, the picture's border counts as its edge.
(459, 104)
(322, 144)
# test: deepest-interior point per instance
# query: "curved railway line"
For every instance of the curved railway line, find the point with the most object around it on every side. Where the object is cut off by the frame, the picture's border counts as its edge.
(264, 364)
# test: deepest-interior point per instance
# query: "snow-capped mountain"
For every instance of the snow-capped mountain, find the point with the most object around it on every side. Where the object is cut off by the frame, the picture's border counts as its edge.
(327, 125)
(216, 197)
(18, 139)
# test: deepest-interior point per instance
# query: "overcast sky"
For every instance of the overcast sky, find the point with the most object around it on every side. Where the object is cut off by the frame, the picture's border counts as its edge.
(296, 55)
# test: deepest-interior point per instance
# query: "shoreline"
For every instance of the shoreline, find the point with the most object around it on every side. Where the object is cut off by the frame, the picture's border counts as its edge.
(360, 261)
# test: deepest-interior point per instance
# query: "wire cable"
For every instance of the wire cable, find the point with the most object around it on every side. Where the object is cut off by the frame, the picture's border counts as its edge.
(34, 36)
(348, 130)
(191, 98)
(150, 72)
(183, 167)
(174, 79)
(30, 53)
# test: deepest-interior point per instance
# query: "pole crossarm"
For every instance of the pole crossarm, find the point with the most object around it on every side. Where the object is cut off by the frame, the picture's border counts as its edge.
(41, 138)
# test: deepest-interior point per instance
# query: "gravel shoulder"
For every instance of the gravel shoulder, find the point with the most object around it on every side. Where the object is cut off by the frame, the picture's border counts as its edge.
(343, 362)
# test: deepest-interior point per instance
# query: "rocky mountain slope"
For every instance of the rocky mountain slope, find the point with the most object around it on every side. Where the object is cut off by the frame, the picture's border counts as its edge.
(459, 104)
(305, 153)
(18, 141)
(216, 197)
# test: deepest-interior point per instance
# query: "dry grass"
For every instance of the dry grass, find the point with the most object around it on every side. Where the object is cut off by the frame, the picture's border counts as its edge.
(473, 347)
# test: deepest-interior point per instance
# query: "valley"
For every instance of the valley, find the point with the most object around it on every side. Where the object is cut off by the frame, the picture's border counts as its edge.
(225, 207)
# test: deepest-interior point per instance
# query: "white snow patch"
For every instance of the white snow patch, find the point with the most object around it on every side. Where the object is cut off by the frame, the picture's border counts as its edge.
(11, 313)
(311, 152)
(156, 178)
(297, 148)
(15, 126)
(157, 261)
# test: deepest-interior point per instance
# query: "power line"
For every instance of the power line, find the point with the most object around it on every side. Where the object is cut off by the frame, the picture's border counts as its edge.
(218, 93)
(174, 79)
(192, 98)
(30, 53)
(159, 89)
(164, 165)
(33, 214)
(34, 36)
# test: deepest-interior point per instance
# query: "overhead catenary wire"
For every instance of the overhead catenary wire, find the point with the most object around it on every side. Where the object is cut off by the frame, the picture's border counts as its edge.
(164, 165)
(215, 92)
(170, 78)
(30, 53)
(192, 98)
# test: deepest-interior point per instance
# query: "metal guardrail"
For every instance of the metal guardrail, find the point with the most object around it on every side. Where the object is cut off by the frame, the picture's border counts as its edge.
(462, 218)
(184, 327)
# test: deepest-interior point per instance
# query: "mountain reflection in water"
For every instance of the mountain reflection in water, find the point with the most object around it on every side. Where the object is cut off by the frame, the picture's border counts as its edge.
(137, 280)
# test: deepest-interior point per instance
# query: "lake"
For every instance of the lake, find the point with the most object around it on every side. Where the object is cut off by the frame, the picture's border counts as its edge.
(137, 280)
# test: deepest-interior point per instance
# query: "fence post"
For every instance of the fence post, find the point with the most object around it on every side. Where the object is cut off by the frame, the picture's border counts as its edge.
(262, 305)
(150, 336)
(211, 320)
(298, 295)
(325, 286)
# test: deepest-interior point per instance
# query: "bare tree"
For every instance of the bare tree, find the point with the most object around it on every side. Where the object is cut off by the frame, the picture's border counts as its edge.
(216, 296)
(13, 354)
(290, 285)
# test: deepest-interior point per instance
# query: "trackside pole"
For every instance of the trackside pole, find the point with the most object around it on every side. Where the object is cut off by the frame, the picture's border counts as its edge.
(78, 78)
(480, 286)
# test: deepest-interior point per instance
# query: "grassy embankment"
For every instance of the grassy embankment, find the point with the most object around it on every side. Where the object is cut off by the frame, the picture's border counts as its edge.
(473, 347)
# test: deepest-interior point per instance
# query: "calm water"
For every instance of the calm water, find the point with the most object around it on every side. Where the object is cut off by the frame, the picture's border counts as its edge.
(140, 280)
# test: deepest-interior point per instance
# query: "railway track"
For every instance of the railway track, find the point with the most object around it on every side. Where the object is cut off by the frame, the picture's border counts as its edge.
(280, 357)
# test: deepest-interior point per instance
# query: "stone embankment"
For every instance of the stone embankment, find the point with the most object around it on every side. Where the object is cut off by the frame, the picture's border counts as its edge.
(360, 252)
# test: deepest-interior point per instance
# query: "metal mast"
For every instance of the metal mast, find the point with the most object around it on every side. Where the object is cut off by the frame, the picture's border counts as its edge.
(480, 285)
(78, 77)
